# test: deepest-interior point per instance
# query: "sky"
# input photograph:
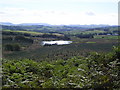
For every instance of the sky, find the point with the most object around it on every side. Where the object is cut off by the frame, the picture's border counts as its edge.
(57, 12)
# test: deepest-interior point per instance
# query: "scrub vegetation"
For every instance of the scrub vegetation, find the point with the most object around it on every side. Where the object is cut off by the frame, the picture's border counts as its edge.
(91, 72)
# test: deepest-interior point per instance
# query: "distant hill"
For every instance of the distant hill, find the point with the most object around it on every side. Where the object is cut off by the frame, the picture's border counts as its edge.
(90, 26)
(46, 24)
(29, 24)
(6, 23)
(23, 24)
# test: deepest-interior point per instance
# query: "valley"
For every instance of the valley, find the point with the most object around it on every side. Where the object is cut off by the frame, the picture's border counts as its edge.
(91, 61)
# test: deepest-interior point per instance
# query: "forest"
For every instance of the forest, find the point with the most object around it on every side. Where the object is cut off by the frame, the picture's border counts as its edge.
(90, 62)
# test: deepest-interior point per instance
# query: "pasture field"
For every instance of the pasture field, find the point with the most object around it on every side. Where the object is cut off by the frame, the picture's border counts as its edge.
(32, 33)
(74, 32)
(29, 32)
(92, 32)
(107, 36)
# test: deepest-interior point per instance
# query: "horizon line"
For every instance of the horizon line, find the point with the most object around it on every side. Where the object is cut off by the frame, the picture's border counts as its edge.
(54, 24)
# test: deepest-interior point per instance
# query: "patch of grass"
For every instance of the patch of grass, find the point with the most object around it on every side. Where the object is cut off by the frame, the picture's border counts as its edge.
(90, 42)
(33, 32)
(107, 36)
(92, 32)
(29, 32)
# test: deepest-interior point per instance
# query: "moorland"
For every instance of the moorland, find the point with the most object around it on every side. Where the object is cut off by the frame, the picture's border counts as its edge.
(90, 61)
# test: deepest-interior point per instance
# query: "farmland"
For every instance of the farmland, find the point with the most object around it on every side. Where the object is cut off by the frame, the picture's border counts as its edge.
(107, 37)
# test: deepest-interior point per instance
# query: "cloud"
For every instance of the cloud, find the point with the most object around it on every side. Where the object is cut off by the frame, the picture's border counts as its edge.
(2, 13)
(22, 15)
(13, 2)
(90, 13)
(94, 0)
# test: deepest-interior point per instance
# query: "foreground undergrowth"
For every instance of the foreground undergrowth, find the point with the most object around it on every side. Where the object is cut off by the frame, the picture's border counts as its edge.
(94, 71)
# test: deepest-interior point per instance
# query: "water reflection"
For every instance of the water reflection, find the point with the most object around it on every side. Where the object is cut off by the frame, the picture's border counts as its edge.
(60, 42)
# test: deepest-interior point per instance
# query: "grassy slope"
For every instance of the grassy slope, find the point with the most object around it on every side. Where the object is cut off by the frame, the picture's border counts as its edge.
(33, 33)
(107, 36)
(29, 32)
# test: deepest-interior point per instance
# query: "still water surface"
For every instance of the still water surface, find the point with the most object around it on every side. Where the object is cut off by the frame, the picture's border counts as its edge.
(58, 42)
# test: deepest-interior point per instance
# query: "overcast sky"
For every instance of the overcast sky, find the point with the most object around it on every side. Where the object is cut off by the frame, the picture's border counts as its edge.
(60, 11)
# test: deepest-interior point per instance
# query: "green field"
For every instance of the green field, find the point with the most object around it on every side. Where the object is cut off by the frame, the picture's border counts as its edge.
(107, 36)
(92, 32)
(29, 32)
